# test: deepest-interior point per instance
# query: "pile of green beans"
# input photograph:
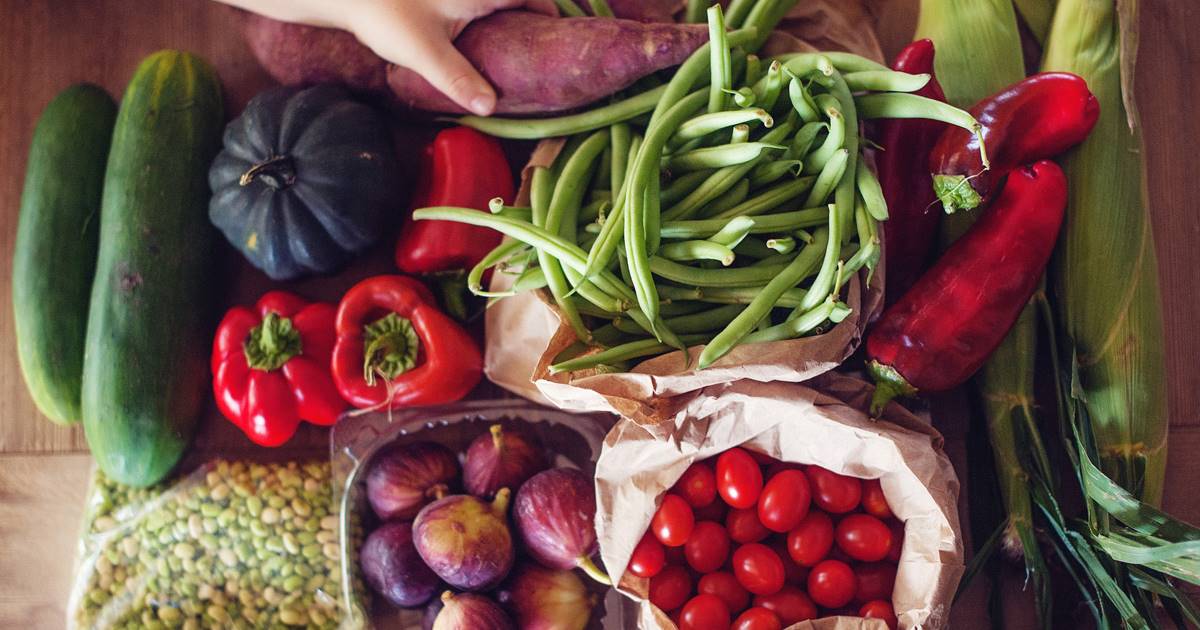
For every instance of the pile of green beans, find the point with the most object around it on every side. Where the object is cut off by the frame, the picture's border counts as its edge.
(730, 205)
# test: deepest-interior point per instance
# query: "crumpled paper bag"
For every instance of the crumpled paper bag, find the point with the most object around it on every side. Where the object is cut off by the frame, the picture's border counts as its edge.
(820, 422)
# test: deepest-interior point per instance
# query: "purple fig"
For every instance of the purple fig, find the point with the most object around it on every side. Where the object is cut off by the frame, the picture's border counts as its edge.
(431, 612)
(555, 513)
(402, 479)
(468, 611)
(465, 540)
(501, 458)
(393, 568)
(548, 599)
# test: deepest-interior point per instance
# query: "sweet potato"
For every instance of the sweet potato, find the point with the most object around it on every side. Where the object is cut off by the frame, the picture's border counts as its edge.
(642, 10)
(538, 64)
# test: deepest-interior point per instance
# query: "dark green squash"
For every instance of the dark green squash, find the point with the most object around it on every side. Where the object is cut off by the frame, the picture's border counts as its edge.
(305, 181)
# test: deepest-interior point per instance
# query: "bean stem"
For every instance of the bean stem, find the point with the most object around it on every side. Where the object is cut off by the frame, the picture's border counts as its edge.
(697, 250)
(705, 124)
(498, 254)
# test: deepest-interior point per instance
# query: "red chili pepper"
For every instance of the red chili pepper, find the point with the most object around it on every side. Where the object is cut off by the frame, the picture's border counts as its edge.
(1034, 119)
(906, 144)
(944, 328)
(462, 168)
(396, 349)
(270, 367)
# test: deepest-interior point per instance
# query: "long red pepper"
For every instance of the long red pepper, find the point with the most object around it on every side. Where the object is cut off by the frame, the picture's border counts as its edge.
(940, 333)
(1034, 119)
(905, 145)
(461, 168)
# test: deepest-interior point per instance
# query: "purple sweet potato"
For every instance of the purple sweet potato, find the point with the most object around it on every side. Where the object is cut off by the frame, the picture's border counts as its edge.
(538, 64)
(544, 64)
(641, 10)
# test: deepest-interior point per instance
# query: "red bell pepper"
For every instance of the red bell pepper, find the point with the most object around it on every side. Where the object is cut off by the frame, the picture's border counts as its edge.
(905, 147)
(947, 325)
(1034, 119)
(270, 367)
(396, 349)
(461, 168)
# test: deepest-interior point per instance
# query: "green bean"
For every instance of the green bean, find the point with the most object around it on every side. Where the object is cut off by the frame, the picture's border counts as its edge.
(885, 81)
(733, 277)
(753, 67)
(601, 253)
(703, 321)
(568, 8)
(523, 214)
(682, 185)
(734, 232)
(771, 86)
(705, 124)
(689, 72)
(594, 210)
(793, 274)
(623, 352)
(600, 8)
(531, 279)
(782, 244)
(846, 62)
(720, 156)
(676, 308)
(719, 59)
(763, 224)
(541, 128)
(845, 194)
(730, 295)
(742, 97)
(600, 180)
(697, 250)
(802, 102)
(834, 141)
(592, 294)
(828, 179)
(738, 10)
(868, 240)
(619, 138)
(731, 198)
(900, 105)
(491, 259)
(740, 134)
(770, 198)
(695, 11)
(771, 172)
(871, 192)
(821, 285)
(816, 65)
(764, 16)
(829, 310)
(652, 215)
(804, 139)
(754, 248)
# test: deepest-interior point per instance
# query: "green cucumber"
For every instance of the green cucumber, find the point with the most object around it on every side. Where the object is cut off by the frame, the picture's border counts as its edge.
(145, 367)
(54, 258)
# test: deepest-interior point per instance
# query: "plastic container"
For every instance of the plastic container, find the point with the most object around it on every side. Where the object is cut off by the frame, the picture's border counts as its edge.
(573, 440)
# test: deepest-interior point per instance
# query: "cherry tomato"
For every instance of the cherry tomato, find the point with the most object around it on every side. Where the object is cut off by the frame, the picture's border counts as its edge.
(675, 556)
(714, 511)
(762, 459)
(724, 585)
(671, 588)
(792, 572)
(834, 493)
(758, 569)
(744, 526)
(698, 485)
(897, 540)
(707, 548)
(704, 612)
(784, 500)
(790, 604)
(864, 537)
(757, 618)
(778, 467)
(831, 584)
(879, 609)
(876, 580)
(673, 522)
(648, 557)
(811, 540)
(873, 501)
(739, 479)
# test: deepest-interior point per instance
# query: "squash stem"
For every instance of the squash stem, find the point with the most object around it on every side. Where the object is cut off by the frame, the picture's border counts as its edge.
(277, 172)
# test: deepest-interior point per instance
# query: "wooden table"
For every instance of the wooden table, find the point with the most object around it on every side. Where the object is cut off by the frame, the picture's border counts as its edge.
(48, 44)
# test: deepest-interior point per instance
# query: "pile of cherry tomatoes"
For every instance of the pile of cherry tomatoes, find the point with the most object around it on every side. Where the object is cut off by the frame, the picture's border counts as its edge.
(749, 543)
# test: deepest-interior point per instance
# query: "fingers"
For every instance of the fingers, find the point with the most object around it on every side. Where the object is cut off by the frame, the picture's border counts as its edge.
(447, 70)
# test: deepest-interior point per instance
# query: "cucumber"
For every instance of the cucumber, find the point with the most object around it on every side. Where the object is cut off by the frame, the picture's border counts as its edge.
(54, 258)
(145, 368)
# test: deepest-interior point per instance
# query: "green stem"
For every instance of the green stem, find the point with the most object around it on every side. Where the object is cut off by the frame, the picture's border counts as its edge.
(272, 343)
(390, 349)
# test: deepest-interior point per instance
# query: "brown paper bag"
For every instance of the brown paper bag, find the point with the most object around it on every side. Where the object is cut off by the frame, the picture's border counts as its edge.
(526, 332)
(820, 423)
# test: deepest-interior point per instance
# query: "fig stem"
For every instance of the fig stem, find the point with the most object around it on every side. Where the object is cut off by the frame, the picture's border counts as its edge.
(437, 491)
(497, 437)
(500, 503)
(447, 596)
(589, 567)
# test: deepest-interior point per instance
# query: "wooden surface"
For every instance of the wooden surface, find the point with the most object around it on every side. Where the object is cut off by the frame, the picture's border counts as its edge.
(48, 44)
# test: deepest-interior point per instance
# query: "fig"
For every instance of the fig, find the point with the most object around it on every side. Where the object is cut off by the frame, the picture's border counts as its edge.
(554, 514)
(431, 613)
(468, 611)
(465, 540)
(403, 478)
(548, 599)
(393, 568)
(502, 458)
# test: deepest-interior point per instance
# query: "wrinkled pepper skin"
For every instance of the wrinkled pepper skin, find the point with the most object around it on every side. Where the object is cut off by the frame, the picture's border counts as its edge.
(906, 144)
(1034, 119)
(461, 168)
(940, 332)
(266, 391)
(425, 358)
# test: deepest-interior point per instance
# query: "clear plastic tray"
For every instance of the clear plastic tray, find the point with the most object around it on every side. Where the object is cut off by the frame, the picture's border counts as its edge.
(572, 439)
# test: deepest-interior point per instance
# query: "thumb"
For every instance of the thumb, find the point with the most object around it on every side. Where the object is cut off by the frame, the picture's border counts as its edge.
(440, 63)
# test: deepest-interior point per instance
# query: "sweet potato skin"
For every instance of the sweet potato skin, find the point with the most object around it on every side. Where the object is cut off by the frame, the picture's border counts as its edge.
(295, 54)
(542, 64)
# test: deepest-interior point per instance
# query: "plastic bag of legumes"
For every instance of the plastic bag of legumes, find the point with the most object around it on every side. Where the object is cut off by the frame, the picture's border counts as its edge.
(818, 423)
(230, 545)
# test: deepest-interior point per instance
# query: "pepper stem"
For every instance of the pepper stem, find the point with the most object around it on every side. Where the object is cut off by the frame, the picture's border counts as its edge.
(277, 172)
(392, 346)
(589, 567)
(497, 437)
(272, 343)
(889, 384)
